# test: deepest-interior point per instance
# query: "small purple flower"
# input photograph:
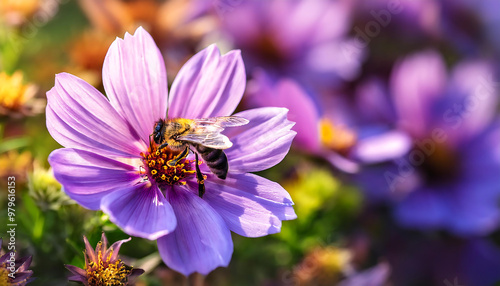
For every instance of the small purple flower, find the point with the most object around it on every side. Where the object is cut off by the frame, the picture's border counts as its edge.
(102, 265)
(448, 179)
(14, 272)
(304, 40)
(105, 164)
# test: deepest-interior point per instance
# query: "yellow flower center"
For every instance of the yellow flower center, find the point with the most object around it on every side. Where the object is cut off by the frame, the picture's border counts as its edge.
(336, 137)
(4, 275)
(105, 272)
(157, 169)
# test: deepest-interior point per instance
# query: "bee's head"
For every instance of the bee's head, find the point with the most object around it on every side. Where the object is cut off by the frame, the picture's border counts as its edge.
(159, 131)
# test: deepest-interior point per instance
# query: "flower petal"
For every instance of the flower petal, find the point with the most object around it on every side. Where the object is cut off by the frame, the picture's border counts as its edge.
(416, 83)
(201, 242)
(88, 177)
(262, 143)
(21, 277)
(473, 213)
(382, 147)
(79, 116)
(263, 91)
(24, 263)
(471, 101)
(375, 276)
(89, 251)
(115, 248)
(104, 241)
(141, 211)
(79, 274)
(422, 209)
(208, 85)
(373, 93)
(342, 163)
(135, 81)
(250, 205)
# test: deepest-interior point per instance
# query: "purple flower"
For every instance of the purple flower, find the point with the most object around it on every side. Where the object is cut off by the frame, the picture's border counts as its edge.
(305, 40)
(102, 265)
(449, 178)
(330, 126)
(14, 272)
(106, 162)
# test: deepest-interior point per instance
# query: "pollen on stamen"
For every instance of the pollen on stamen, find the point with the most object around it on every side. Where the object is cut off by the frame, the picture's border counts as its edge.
(157, 169)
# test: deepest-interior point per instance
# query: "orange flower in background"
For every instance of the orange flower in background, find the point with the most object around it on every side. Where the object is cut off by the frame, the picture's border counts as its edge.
(177, 26)
(87, 53)
(15, 12)
(16, 97)
(14, 163)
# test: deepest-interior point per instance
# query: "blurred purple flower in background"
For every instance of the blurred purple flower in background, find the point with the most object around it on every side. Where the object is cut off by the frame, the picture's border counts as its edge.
(416, 16)
(449, 178)
(315, 135)
(304, 40)
(106, 162)
(332, 126)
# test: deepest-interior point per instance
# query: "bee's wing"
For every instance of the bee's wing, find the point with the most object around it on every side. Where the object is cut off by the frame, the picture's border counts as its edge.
(207, 131)
(217, 141)
(223, 121)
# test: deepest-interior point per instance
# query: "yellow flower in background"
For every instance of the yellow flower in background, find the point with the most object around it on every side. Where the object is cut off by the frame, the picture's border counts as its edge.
(46, 190)
(16, 96)
(177, 26)
(13, 163)
(13, 92)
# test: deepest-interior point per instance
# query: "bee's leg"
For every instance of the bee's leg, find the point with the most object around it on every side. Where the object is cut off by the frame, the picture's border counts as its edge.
(163, 146)
(179, 157)
(199, 178)
(150, 143)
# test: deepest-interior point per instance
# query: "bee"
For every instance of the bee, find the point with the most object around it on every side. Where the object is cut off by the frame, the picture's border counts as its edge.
(204, 135)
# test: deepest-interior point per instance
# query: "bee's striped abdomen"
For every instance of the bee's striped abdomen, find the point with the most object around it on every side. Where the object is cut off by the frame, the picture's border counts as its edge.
(215, 159)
